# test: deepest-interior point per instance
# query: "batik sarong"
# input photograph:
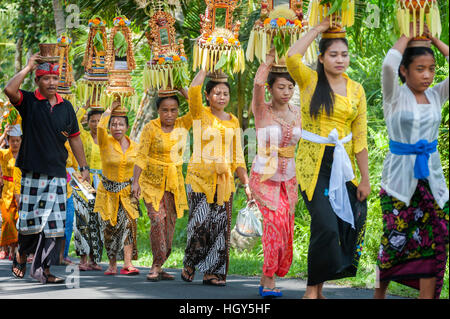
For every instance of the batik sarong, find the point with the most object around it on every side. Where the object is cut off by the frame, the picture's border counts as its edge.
(162, 228)
(88, 235)
(208, 235)
(415, 239)
(124, 233)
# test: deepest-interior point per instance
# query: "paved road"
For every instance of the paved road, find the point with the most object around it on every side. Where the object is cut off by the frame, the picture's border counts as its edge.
(95, 285)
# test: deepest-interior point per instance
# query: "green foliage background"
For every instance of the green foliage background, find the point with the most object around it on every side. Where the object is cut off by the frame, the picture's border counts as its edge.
(32, 20)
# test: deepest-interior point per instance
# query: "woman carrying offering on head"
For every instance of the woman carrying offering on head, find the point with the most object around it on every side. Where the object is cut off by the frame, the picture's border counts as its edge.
(216, 157)
(334, 133)
(273, 179)
(114, 201)
(158, 176)
(414, 193)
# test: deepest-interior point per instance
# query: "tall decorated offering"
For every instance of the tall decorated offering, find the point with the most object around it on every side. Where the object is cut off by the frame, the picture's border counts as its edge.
(95, 79)
(10, 116)
(66, 79)
(281, 23)
(120, 63)
(218, 49)
(167, 71)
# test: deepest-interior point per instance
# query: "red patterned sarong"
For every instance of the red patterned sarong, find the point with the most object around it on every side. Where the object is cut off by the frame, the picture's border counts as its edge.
(278, 234)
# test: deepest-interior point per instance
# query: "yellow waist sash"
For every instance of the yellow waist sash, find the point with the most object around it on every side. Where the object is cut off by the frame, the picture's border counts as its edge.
(224, 178)
(172, 175)
(273, 153)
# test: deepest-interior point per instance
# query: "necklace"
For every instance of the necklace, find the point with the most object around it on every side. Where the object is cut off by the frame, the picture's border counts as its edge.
(282, 119)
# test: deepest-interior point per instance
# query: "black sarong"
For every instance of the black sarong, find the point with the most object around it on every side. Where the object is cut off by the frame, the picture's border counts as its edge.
(334, 247)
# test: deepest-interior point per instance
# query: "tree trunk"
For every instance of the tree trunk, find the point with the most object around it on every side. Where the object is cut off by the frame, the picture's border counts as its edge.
(240, 100)
(60, 21)
(146, 113)
(18, 55)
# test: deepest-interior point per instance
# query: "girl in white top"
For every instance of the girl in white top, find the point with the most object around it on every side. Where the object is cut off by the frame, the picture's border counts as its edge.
(414, 195)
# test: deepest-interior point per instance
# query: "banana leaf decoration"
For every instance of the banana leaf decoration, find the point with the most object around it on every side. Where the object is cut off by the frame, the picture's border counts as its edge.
(341, 12)
(281, 27)
(11, 117)
(418, 12)
(219, 52)
(98, 42)
(96, 45)
(169, 73)
(120, 45)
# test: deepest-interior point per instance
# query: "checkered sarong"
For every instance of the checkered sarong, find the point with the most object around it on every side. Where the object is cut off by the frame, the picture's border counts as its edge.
(42, 205)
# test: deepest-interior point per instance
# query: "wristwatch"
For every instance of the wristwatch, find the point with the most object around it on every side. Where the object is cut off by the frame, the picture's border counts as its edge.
(83, 168)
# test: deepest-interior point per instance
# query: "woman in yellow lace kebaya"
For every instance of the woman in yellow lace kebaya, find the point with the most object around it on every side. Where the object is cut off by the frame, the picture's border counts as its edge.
(158, 173)
(217, 155)
(334, 132)
(88, 234)
(114, 202)
(8, 202)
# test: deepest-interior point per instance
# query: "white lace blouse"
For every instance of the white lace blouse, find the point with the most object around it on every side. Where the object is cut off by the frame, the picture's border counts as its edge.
(273, 134)
(408, 122)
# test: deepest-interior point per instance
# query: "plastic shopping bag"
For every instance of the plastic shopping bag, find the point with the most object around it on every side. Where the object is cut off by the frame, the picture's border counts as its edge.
(248, 221)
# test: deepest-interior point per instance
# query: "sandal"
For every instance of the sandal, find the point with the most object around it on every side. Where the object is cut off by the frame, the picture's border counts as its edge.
(84, 267)
(166, 276)
(20, 267)
(189, 273)
(130, 271)
(67, 262)
(94, 266)
(271, 293)
(210, 282)
(261, 288)
(55, 280)
(154, 276)
(110, 273)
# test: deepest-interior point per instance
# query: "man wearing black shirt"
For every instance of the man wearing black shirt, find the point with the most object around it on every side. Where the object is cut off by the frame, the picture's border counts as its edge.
(47, 122)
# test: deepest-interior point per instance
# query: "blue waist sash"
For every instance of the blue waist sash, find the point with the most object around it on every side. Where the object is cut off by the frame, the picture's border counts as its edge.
(422, 149)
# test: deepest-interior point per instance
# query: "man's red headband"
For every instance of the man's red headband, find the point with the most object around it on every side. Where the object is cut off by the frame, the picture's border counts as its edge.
(47, 68)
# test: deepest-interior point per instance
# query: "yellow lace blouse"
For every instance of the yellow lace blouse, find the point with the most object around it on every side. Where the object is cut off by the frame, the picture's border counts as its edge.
(91, 150)
(8, 163)
(349, 116)
(118, 167)
(161, 172)
(207, 169)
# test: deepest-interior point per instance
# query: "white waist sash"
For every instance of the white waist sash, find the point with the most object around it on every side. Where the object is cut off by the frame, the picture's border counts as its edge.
(341, 172)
